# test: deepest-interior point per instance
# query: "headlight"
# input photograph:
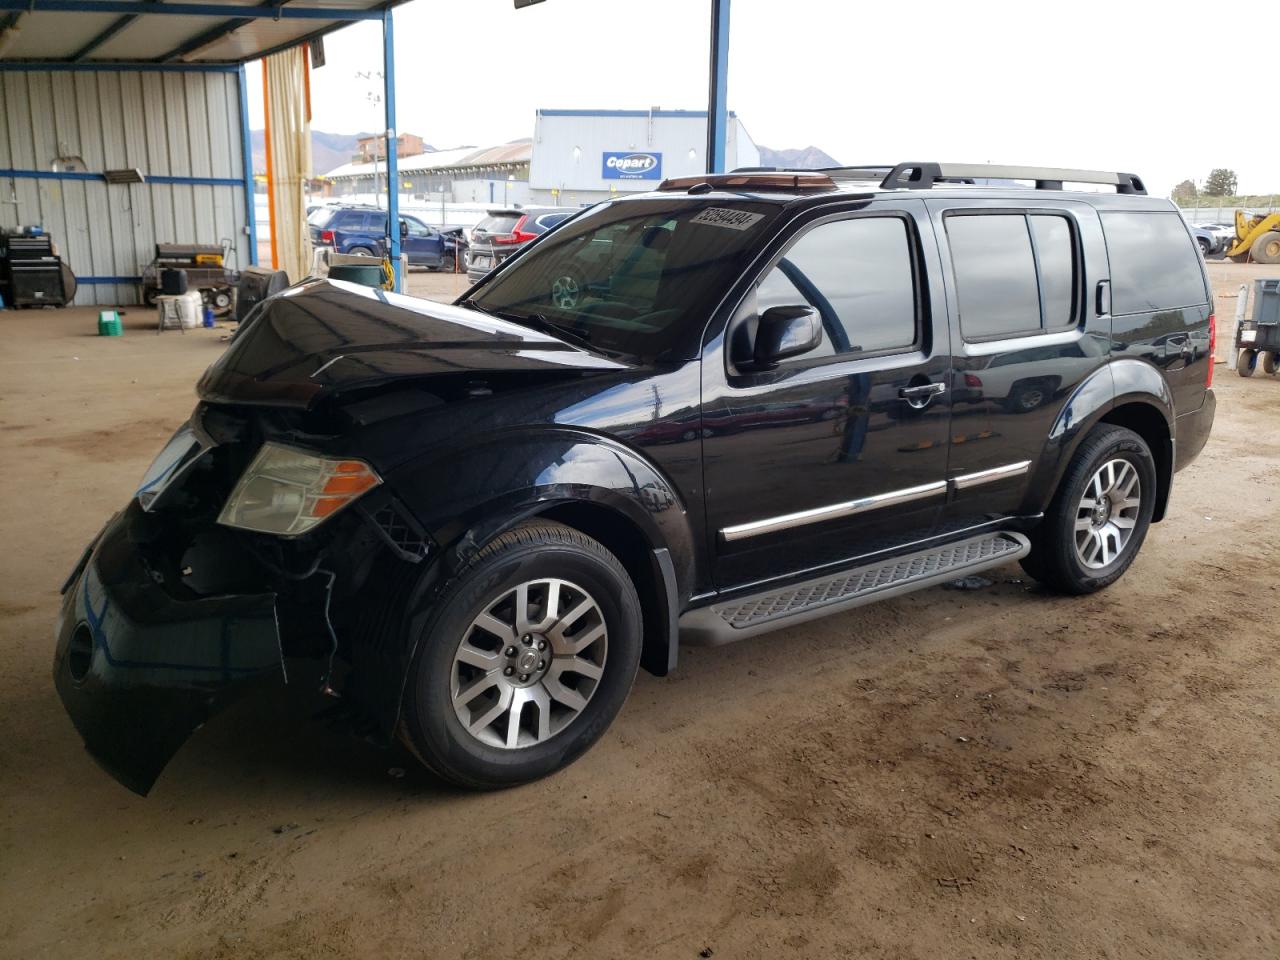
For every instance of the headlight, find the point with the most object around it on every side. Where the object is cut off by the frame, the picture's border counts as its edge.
(288, 492)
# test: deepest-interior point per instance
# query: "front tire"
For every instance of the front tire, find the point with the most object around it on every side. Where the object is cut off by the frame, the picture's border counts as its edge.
(1270, 361)
(1266, 249)
(530, 655)
(1247, 362)
(1100, 515)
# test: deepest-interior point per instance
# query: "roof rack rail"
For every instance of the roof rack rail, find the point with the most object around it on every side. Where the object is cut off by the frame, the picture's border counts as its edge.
(754, 179)
(923, 176)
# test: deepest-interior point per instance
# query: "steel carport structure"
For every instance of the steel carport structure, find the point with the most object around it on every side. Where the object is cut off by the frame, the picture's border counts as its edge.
(211, 36)
(221, 36)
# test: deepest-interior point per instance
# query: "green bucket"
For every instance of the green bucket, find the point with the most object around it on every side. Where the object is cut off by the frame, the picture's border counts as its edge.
(109, 324)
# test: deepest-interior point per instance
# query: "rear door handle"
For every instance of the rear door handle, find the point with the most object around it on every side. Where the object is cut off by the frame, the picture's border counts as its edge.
(1102, 306)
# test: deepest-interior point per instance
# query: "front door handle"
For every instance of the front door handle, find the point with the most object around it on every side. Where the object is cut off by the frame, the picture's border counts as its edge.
(920, 396)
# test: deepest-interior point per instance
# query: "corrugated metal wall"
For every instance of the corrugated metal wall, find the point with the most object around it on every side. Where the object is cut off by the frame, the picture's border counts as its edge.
(165, 124)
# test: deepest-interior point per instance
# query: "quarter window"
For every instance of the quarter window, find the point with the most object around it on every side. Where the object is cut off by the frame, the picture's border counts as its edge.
(857, 274)
(1154, 262)
(1015, 273)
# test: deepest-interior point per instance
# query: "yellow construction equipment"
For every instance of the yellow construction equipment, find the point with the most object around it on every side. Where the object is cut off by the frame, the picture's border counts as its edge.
(1257, 238)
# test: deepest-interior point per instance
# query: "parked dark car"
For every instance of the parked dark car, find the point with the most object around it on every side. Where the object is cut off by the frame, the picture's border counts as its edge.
(474, 522)
(363, 230)
(502, 232)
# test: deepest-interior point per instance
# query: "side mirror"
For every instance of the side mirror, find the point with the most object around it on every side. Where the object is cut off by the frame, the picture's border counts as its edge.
(784, 332)
(404, 229)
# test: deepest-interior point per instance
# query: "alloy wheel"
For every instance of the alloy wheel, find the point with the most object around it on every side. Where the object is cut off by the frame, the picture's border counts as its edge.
(1107, 514)
(528, 665)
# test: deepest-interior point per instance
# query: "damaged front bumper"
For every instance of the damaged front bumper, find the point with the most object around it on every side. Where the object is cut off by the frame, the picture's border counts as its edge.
(139, 669)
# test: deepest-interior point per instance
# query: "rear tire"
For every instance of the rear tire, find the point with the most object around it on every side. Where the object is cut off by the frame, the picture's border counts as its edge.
(1247, 362)
(554, 708)
(1270, 361)
(1266, 249)
(360, 252)
(1099, 516)
(1205, 246)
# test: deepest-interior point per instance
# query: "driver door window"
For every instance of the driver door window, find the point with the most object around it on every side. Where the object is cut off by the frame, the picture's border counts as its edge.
(857, 274)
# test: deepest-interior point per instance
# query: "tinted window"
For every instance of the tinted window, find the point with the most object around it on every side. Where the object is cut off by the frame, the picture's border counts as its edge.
(857, 275)
(1154, 263)
(633, 276)
(416, 228)
(549, 220)
(995, 275)
(1055, 254)
(350, 220)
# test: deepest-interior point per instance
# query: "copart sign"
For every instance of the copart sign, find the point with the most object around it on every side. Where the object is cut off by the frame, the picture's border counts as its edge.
(631, 166)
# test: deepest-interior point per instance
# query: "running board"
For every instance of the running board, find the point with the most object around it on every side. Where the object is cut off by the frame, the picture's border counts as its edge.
(757, 613)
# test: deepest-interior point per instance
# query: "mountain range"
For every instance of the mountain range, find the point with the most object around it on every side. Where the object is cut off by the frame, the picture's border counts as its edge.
(329, 150)
(804, 158)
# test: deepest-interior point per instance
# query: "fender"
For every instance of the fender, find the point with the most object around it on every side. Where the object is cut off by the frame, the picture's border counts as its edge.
(487, 487)
(1112, 385)
(465, 499)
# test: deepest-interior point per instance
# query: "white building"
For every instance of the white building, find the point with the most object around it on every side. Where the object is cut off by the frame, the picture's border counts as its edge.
(496, 175)
(583, 156)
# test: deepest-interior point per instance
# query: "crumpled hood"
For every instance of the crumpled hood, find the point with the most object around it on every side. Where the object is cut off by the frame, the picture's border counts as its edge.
(326, 336)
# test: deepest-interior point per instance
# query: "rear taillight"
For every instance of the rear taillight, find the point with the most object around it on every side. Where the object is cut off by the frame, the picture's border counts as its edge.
(970, 380)
(326, 236)
(1213, 350)
(517, 235)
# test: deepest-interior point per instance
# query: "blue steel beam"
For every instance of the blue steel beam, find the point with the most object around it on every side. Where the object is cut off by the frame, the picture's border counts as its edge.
(203, 39)
(107, 34)
(246, 149)
(188, 9)
(113, 66)
(717, 98)
(206, 37)
(393, 164)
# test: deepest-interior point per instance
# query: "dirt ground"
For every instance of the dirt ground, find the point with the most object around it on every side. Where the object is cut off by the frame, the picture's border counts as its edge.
(992, 774)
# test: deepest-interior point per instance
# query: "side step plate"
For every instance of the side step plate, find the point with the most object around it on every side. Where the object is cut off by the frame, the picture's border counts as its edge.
(774, 609)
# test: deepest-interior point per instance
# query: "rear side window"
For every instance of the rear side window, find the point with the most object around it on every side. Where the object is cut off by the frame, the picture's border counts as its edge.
(1015, 273)
(350, 220)
(1154, 262)
(858, 275)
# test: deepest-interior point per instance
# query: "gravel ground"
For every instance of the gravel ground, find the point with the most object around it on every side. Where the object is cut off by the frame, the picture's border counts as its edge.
(996, 773)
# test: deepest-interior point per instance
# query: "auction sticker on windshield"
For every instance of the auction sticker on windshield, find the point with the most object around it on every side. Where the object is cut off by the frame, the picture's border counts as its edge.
(733, 219)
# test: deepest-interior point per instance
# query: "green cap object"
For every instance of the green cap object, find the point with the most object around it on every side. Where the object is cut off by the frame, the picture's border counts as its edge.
(109, 324)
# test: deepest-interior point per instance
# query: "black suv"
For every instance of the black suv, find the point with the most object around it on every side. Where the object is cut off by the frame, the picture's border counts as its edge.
(502, 232)
(474, 522)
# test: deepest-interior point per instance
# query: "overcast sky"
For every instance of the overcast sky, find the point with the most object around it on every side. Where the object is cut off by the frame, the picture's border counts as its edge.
(1134, 85)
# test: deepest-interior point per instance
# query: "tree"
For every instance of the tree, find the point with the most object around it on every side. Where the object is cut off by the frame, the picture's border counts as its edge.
(1221, 183)
(1185, 191)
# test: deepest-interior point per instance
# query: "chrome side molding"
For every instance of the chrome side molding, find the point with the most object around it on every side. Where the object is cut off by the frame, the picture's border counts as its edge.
(967, 480)
(893, 498)
(837, 510)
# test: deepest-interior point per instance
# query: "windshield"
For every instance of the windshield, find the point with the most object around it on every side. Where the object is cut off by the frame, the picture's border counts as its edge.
(631, 276)
(319, 216)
